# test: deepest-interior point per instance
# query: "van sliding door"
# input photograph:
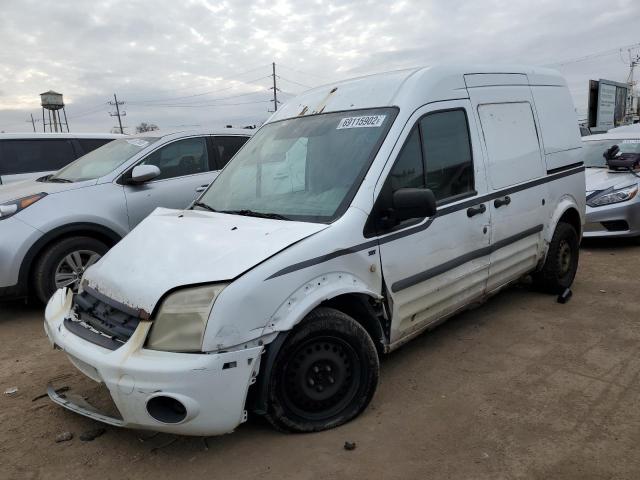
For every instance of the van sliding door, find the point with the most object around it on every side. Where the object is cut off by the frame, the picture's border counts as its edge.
(515, 173)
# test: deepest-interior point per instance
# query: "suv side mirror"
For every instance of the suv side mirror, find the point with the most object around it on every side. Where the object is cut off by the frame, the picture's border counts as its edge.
(411, 203)
(144, 173)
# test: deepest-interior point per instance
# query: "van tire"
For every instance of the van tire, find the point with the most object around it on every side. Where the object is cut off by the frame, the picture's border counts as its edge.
(325, 374)
(560, 266)
(44, 272)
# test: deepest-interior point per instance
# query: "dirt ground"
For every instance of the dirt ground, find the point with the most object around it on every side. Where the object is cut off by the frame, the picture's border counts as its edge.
(522, 387)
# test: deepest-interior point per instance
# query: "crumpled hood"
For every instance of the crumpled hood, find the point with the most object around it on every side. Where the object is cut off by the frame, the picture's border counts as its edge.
(603, 178)
(15, 190)
(172, 248)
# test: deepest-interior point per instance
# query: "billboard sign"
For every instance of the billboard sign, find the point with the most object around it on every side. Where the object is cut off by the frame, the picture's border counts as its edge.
(610, 100)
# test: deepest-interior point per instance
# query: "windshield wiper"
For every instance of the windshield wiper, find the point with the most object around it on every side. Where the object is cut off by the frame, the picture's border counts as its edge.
(58, 180)
(252, 213)
(204, 205)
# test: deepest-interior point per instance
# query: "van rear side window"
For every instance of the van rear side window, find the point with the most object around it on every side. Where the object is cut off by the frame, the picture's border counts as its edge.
(27, 156)
(512, 143)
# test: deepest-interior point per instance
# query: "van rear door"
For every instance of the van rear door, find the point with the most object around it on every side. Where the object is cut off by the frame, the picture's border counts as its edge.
(504, 108)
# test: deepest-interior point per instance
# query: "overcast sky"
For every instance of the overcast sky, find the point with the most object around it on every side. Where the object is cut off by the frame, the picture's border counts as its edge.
(206, 62)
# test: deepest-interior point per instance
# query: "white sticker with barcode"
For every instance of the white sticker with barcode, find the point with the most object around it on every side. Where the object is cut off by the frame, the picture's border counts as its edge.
(366, 121)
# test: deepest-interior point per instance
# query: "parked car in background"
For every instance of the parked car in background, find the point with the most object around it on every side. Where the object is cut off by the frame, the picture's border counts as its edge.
(53, 228)
(25, 156)
(361, 214)
(613, 203)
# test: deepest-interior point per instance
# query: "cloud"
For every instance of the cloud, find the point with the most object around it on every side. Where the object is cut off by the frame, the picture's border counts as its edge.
(153, 53)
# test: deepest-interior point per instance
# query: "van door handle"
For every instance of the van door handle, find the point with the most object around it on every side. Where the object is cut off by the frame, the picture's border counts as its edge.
(499, 202)
(472, 211)
(202, 188)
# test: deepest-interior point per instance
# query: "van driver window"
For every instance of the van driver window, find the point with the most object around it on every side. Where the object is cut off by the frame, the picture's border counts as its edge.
(447, 151)
(408, 171)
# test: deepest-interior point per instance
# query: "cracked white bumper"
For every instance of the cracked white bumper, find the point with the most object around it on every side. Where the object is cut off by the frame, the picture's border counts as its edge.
(212, 387)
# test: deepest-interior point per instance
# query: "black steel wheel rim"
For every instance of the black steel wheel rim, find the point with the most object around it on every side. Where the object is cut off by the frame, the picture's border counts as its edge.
(321, 378)
(565, 257)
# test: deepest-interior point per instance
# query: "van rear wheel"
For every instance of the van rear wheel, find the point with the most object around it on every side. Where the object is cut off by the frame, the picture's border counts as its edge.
(63, 264)
(560, 267)
(325, 374)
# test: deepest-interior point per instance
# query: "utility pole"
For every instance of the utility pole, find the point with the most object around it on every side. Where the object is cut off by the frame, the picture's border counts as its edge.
(274, 88)
(634, 61)
(118, 114)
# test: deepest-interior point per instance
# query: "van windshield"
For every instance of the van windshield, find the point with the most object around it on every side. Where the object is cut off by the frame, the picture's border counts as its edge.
(594, 150)
(305, 168)
(102, 161)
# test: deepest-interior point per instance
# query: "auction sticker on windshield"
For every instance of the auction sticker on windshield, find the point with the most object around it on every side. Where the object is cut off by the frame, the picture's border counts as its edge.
(631, 141)
(361, 122)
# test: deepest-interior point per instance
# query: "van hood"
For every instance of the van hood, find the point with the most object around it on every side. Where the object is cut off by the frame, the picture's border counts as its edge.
(602, 178)
(174, 248)
(24, 188)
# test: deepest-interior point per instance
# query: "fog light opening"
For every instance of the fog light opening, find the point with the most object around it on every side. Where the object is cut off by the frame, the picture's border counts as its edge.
(166, 409)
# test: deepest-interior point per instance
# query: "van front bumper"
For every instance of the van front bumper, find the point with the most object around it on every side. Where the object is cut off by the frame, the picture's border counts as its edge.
(211, 388)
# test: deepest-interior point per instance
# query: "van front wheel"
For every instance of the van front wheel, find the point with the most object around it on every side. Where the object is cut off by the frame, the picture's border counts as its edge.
(561, 264)
(325, 374)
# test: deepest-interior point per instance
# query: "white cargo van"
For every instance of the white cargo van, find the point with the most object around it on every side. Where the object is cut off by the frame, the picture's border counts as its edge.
(361, 214)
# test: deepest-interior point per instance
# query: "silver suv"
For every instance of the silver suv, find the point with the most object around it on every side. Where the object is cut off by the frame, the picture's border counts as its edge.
(53, 228)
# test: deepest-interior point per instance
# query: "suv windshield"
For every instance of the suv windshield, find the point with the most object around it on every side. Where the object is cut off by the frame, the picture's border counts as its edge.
(593, 151)
(305, 168)
(102, 160)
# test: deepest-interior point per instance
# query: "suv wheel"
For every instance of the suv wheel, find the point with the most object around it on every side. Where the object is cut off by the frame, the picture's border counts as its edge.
(561, 264)
(325, 374)
(63, 264)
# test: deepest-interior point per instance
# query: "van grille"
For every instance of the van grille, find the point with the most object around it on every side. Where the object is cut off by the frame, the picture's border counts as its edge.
(100, 323)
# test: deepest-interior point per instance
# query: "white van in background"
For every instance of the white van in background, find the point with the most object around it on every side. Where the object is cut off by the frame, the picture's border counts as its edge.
(361, 214)
(26, 156)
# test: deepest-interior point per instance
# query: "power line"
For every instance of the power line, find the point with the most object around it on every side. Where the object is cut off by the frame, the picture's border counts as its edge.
(211, 100)
(294, 82)
(592, 55)
(303, 72)
(210, 105)
(232, 77)
(201, 94)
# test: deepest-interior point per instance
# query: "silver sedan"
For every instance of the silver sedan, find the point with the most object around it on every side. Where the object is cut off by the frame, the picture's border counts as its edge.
(613, 203)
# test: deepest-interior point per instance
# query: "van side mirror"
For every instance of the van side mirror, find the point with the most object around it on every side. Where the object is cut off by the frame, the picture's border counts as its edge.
(411, 203)
(144, 173)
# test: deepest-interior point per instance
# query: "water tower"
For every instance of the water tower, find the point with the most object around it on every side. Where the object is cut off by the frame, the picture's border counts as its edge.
(53, 103)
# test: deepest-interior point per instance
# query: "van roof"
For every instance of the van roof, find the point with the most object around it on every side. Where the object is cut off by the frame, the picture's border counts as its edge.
(411, 87)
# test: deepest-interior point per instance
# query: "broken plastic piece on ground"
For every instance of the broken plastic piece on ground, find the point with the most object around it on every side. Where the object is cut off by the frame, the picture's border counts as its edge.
(11, 391)
(349, 445)
(565, 296)
(44, 395)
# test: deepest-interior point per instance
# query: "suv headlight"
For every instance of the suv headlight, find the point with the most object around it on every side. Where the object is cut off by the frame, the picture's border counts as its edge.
(615, 196)
(182, 318)
(14, 206)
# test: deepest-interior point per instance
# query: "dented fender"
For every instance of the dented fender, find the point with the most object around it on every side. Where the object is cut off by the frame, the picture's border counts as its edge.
(313, 293)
